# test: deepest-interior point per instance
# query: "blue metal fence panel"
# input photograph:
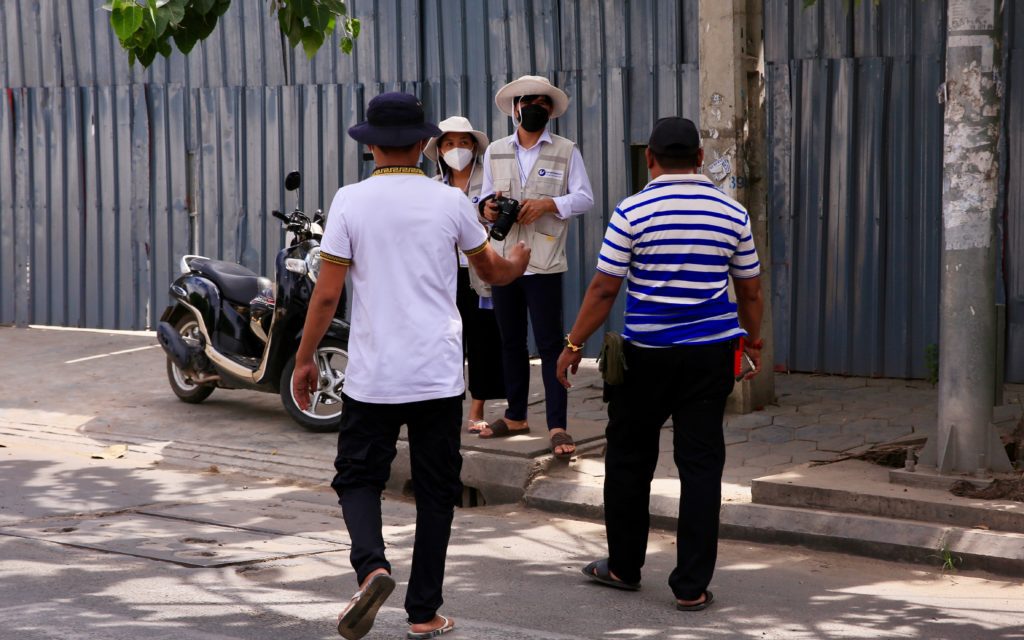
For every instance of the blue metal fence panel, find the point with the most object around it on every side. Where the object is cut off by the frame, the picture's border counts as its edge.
(106, 143)
(855, 171)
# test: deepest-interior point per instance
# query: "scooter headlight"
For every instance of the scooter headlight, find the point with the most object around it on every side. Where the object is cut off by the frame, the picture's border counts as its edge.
(313, 263)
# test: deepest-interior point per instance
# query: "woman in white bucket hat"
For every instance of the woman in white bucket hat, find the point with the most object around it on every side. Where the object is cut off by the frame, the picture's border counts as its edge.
(459, 152)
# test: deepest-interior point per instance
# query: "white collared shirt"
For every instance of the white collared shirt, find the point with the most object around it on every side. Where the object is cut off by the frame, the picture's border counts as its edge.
(579, 197)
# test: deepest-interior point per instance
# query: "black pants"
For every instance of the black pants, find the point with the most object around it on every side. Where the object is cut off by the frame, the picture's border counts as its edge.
(481, 343)
(541, 296)
(691, 384)
(366, 448)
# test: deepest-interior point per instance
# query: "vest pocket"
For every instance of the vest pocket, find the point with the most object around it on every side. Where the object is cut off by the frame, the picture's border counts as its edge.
(502, 185)
(544, 252)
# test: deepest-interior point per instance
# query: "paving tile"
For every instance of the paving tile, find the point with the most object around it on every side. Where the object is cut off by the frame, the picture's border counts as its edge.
(887, 433)
(736, 436)
(781, 468)
(837, 382)
(817, 432)
(1006, 413)
(888, 412)
(737, 453)
(794, 446)
(778, 410)
(591, 415)
(819, 408)
(797, 399)
(841, 443)
(769, 460)
(748, 421)
(864, 425)
(841, 417)
(743, 475)
(801, 457)
(773, 434)
(794, 420)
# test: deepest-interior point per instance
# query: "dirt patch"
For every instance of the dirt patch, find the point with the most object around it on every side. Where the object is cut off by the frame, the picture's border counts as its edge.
(1000, 489)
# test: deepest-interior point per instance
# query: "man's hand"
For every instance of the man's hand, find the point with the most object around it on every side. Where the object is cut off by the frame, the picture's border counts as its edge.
(567, 361)
(753, 349)
(519, 255)
(491, 209)
(533, 209)
(305, 382)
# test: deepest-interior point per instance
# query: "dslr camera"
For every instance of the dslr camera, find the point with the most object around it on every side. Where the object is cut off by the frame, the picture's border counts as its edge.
(508, 213)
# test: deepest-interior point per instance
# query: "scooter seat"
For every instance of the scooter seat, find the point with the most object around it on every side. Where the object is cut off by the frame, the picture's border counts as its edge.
(236, 283)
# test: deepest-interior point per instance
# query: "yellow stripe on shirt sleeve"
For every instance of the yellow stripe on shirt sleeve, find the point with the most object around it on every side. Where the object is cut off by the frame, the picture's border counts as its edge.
(335, 259)
(473, 252)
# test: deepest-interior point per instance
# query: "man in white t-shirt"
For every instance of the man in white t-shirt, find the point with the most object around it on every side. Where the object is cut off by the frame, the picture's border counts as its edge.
(393, 233)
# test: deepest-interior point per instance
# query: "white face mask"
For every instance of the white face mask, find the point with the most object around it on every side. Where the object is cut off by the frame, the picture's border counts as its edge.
(458, 158)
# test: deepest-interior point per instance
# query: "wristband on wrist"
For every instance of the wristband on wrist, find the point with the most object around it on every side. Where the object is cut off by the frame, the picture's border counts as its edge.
(575, 348)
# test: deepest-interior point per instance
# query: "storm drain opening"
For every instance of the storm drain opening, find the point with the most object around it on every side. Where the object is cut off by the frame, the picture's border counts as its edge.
(471, 496)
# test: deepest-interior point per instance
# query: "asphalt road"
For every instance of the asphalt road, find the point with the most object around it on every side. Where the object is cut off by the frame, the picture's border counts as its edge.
(114, 549)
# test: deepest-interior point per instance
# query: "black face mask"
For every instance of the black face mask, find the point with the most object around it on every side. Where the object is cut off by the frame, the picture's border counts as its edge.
(534, 117)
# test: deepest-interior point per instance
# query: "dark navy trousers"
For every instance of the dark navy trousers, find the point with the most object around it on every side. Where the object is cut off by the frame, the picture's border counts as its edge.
(538, 296)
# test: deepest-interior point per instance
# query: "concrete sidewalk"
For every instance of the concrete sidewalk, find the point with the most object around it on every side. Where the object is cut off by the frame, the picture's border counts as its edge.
(103, 388)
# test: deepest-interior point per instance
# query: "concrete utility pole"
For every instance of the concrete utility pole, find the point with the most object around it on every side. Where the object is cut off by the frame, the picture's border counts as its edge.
(732, 122)
(965, 440)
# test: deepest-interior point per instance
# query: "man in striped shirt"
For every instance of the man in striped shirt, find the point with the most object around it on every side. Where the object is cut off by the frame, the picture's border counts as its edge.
(676, 243)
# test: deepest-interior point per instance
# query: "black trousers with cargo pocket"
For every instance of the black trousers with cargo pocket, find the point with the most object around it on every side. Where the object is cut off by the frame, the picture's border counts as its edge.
(367, 441)
(690, 384)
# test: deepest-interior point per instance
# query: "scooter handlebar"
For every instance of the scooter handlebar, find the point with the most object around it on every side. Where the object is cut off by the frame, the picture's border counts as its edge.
(279, 215)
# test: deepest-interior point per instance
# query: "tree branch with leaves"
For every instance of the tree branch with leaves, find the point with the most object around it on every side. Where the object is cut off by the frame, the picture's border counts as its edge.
(146, 28)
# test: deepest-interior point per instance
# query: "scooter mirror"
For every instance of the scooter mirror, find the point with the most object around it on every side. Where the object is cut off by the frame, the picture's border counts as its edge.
(292, 181)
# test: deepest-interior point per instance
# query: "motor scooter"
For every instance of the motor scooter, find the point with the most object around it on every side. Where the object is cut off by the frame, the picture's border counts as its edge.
(227, 327)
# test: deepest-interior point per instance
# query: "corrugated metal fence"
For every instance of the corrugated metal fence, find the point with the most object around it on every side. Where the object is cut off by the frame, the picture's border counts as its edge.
(93, 192)
(855, 184)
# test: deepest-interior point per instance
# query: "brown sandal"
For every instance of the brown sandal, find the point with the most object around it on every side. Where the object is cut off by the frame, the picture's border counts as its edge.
(561, 439)
(500, 429)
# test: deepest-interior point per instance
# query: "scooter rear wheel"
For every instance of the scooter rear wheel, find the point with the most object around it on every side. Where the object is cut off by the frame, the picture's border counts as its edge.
(181, 382)
(325, 413)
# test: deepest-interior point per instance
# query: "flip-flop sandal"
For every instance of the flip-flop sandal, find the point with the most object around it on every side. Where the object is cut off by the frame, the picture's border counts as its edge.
(560, 439)
(700, 606)
(598, 571)
(440, 631)
(357, 619)
(475, 426)
(499, 429)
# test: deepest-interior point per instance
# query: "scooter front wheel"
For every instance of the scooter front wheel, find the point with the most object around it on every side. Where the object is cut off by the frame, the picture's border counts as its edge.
(181, 382)
(324, 412)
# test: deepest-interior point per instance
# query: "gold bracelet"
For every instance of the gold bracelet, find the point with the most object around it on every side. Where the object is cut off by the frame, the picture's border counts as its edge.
(575, 348)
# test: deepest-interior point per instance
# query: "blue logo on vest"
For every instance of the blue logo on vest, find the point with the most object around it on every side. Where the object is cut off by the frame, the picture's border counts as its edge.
(541, 172)
(476, 199)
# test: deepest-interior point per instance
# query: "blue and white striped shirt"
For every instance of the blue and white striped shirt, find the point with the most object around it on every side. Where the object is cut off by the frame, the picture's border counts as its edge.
(677, 242)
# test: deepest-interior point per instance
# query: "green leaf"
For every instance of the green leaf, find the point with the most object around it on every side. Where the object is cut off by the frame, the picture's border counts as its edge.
(164, 47)
(219, 9)
(126, 20)
(353, 26)
(147, 55)
(203, 6)
(185, 40)
(808, 3)
(175, 10)
(295, 31)
(335, 6)
(312, 40)
(346, 45)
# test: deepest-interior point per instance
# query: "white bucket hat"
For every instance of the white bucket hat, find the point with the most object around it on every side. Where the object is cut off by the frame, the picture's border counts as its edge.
(529, 86)
(456, 124)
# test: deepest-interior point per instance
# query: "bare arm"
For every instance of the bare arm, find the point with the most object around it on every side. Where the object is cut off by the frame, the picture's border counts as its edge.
(750, 309)
(597, 304)
(493, 269)
(322, 305)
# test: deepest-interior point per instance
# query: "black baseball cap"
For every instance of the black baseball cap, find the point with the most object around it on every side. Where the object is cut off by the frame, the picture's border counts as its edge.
(674, 137)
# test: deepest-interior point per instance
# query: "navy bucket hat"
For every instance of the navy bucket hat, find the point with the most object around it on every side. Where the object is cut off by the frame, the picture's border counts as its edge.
(394, 120)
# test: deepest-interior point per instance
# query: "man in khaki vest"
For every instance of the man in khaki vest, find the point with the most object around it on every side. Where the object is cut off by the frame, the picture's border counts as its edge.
(545, 173)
